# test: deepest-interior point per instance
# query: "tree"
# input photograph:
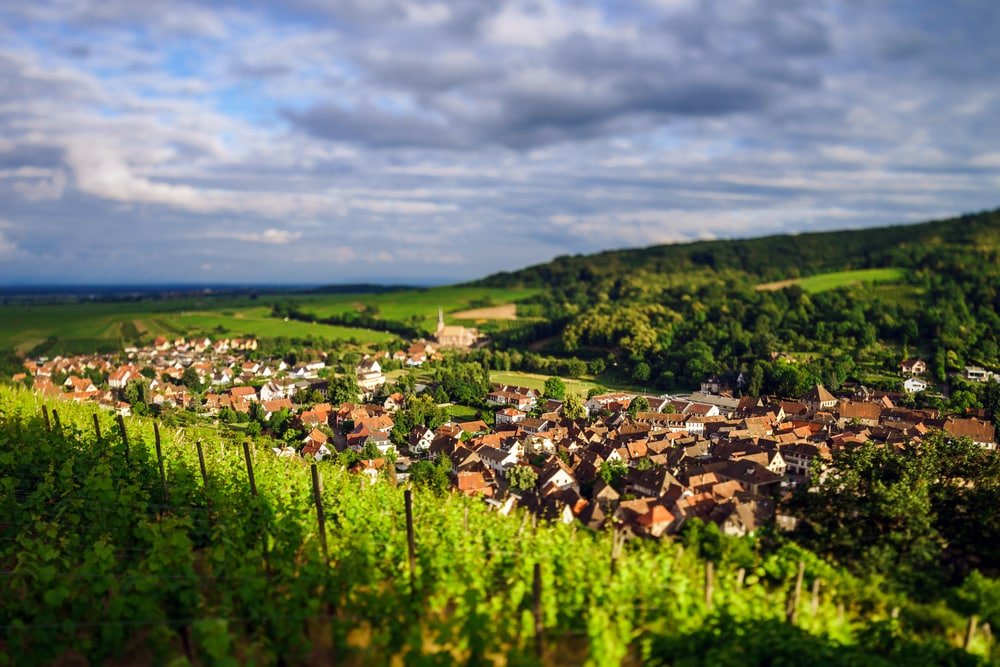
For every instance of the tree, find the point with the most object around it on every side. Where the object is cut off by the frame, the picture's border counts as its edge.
(991, 401)
(756, 384)
(921, 515)
(191, 380)
(641, 372)
(136, 393)
(573, 407)
(434, 475)
(555, 388)
(521, 478)
(370, 451)
(612, 471)
(637, 405)
(344, 389)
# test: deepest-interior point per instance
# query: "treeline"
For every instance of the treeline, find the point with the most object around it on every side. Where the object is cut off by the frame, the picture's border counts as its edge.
(360, 320)
(769, 257)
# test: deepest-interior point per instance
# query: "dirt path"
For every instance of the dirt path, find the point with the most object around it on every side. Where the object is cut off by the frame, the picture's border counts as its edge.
(505, 312)
(781, 284)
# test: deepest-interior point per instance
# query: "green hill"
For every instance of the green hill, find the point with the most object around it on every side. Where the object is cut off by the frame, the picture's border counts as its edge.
(772, 258)
(786, 311)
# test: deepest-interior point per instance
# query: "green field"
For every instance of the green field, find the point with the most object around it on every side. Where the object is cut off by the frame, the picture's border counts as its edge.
(828, 281)
(418, 308)
(86, 327)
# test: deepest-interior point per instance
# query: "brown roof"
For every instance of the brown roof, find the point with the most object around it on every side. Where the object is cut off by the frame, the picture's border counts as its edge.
(975, 429)
(859, 410)
(819, 394)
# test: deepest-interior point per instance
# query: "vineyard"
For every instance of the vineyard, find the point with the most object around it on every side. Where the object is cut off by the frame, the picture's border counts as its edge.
(146, 547)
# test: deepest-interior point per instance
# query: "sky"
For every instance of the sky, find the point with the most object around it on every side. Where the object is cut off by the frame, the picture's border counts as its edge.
(424, 142)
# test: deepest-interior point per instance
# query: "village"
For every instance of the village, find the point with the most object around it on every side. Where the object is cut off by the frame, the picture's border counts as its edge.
(647, 463)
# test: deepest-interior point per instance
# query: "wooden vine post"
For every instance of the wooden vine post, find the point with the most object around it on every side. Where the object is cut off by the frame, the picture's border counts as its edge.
(617, 542)
(320, 516)
(815, 595)
(124, 434)
(253, 492)
(159, 460)
(246, 455)
(55, 418)
(536, 590)
(410, 542)
(97, 426)
(201, 464)
(970, 632)
(792, 608)
(45, 414)
(709, 582)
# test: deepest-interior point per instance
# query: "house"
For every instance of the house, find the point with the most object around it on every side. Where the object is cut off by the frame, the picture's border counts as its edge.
(912, 367)
(122, 375)
(978, 374)
(370, 378)
(243, 393)
(914, 385)
(419, 440)
(270, 407)
(752, 476)
(510, 416)
(599, 402)
(314, 445)
(535, 425)
(79, 385)
(799, 456)
(981, 432)
(471, 483)
(497, 460)
(856, 412)
(819, 399)
(277, 389)
(557, 475)
(394, 401)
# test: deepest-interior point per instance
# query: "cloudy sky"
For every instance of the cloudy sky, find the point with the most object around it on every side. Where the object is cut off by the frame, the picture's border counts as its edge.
(403, 140)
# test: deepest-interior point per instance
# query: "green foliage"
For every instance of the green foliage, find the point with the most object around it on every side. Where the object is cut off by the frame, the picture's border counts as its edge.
(343, 389)
(521, 478)
(573, 407)
(555, 388)
(420, 411)
(921, 515)
(463, 382)
(100, 564)
(683, 312)
(637, 405)
(612, 472)
(433, 475)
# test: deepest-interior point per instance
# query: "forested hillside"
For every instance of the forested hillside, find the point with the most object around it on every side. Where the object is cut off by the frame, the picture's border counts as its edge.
(671, 315)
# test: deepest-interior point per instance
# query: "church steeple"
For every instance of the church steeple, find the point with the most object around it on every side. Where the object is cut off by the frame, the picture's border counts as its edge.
(440, 318)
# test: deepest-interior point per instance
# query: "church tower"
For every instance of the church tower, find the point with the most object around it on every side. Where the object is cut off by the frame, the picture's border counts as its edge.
(440, 320)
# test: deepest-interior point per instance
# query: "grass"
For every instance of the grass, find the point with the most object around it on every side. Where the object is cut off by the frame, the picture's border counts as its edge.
(462, 412)
(416, 307)
(86, 327)
(835, 280)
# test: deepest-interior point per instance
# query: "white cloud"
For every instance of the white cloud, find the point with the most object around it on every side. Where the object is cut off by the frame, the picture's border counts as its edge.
(269, 236)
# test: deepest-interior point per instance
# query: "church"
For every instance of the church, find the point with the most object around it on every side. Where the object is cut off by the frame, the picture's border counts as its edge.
(453, 336)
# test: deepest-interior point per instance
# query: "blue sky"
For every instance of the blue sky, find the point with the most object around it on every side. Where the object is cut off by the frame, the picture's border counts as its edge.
(403, 140)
